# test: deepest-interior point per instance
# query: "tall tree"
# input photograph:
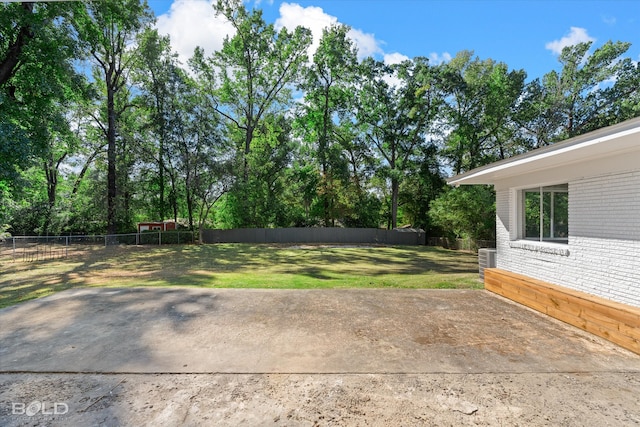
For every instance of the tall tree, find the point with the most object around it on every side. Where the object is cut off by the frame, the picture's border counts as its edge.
(156, 67)
(423, 184)
(38, 86)
(110, 31)
(197, 156)
(258, 67)
(329, 92)
(587, 93)
(398, 105)
(481, 100)
(38, 47)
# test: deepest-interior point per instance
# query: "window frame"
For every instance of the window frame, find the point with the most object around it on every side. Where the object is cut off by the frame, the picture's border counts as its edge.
(541, 190)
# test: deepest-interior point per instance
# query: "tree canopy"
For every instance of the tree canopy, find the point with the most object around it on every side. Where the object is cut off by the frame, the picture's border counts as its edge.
(101, 126)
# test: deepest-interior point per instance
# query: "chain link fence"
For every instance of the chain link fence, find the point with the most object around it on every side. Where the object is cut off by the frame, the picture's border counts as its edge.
(41, 248)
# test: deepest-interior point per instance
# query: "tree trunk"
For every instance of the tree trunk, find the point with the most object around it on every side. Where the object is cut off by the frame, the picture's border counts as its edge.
(83, 172)
(51, 167)
(173, 199)
(161, 183)
(189, 176)
(189, 196)
(395, 185)
(247, 150)
(10, 62)
(322, 148)
(111, 158)
(162, 209)
(52, 183)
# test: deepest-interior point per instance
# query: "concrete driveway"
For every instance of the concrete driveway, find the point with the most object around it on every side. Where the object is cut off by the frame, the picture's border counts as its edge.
(190, 331)
(166, 330)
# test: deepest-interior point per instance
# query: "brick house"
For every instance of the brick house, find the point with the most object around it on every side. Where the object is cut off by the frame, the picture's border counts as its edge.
(568, 230)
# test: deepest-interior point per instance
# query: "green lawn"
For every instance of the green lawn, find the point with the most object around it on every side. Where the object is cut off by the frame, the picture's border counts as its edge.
(241, 266)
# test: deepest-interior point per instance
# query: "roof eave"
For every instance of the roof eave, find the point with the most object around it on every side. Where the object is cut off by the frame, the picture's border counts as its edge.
(545, 156)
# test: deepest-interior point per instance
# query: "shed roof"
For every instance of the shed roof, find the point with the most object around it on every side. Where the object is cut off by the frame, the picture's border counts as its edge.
(609, 141)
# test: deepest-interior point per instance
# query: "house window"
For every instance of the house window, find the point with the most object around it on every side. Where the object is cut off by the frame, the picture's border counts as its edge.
(546, 214)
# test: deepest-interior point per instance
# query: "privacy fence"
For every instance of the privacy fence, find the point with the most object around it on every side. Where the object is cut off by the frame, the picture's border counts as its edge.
(316, 236)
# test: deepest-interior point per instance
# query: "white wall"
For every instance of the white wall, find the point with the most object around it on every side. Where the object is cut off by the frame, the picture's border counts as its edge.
(603, 254)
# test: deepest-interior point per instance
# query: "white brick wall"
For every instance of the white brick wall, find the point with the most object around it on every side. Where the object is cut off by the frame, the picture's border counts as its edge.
(603, 254)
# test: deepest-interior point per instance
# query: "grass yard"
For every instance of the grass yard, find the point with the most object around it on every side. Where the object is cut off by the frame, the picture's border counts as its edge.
(241, 266)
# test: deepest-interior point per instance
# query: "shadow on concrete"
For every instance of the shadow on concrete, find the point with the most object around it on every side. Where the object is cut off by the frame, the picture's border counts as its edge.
(84, 331)
(123, 332)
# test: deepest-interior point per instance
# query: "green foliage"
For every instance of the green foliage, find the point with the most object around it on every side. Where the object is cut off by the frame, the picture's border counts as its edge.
(365, 212)
(329, 84)
(7, 205)
(222, 142)
(423, 183)
(465, 212)
(35, 93)
(16, 148)
(259, 199)
(481, 99)
(592, 90)
(257, 68)
(396, 116)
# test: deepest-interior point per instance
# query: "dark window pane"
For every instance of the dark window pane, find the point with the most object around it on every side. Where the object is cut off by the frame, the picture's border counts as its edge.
(532, 215)
(546, 218)
(561, 215)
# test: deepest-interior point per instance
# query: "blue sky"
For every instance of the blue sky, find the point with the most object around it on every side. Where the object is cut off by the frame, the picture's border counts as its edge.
(523, 34)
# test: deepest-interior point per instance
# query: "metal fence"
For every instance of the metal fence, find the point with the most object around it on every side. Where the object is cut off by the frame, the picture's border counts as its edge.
(40, 248)
(316, 235)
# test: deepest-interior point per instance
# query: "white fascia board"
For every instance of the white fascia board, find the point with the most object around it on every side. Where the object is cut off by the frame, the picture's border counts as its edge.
(601, 143)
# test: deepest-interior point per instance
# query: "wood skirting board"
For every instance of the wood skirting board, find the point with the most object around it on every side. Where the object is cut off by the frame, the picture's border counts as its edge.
(618, 323)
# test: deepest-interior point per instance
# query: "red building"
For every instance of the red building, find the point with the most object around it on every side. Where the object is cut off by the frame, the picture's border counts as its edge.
(156, 226)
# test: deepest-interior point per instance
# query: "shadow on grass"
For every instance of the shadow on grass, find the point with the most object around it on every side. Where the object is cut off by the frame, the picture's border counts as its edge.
(223, 265)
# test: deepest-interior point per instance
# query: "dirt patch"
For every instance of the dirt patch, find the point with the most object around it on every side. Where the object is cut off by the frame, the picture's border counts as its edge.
(306, 400)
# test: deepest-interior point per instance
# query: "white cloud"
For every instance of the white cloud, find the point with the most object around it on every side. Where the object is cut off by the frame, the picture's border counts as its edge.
(366, 43)
(437, 59)
(391, 59)
(192, 23)
(575, 36)
(609, 20)
(394, 58)
(315, 19)
(293, 15)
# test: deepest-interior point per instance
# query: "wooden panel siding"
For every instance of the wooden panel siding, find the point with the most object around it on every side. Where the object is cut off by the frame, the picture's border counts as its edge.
(616, 322)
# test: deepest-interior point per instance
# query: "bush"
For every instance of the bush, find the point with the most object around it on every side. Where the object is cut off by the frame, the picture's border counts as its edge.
(466, 212)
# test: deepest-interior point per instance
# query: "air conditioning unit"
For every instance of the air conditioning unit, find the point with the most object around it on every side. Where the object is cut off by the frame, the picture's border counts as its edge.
(486, 259)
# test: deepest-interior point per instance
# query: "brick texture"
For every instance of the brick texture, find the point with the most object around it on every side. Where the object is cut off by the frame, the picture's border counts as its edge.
(603, 254)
